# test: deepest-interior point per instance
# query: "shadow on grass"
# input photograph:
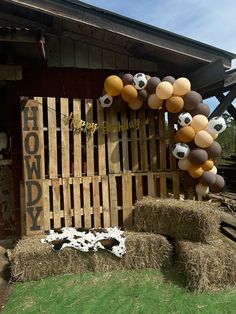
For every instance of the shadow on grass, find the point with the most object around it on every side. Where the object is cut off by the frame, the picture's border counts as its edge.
(173, 275)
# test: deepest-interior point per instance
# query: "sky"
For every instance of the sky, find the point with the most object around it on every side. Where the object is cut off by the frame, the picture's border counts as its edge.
(210, 21)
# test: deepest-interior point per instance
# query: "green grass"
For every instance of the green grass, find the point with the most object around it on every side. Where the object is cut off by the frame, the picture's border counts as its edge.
(147, 291)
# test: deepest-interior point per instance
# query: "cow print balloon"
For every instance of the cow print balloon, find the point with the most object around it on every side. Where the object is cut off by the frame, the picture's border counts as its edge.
(216, 125)
(139, 81)
(184, 119)
(106, 100)
(180, 150)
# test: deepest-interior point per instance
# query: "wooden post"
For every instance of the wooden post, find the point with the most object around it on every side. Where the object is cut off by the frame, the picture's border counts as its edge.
(32, 165)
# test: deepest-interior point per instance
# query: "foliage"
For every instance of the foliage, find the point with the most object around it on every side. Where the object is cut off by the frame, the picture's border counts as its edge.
(147, 291)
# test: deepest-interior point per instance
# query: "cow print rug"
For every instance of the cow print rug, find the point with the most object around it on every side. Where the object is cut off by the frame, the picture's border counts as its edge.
(87, 240)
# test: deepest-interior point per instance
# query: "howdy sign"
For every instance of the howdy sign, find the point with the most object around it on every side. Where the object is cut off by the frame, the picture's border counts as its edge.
(32, 145)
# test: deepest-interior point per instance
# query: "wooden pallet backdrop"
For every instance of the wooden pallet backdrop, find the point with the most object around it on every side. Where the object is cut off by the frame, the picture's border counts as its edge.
(94, 179)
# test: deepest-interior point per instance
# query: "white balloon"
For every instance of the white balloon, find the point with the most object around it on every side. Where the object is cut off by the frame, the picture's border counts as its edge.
(216, 125)
(213, 170)
(202, 189)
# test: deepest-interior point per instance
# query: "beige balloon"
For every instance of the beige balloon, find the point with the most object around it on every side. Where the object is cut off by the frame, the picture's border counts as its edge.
(201, 189)
(181, 86)
(184, 164)
(203, 139)
(164, 90)
(213, 170)
(136, 104)
(199, 122)
(154, 102)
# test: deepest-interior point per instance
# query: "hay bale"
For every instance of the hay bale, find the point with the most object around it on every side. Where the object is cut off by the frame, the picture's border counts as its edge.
(33, 260)
(182, 220)
(207, 267)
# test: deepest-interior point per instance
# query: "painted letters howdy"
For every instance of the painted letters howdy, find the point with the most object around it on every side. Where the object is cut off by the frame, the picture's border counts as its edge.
(32, 166)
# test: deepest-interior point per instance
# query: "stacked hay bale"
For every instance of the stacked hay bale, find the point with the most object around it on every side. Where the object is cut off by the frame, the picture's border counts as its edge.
(206, 261)
(33, 260)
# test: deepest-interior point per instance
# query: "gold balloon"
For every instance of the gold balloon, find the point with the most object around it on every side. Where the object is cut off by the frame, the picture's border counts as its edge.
(154, 102)
(195, 171)
(113, 85)
(129, 93)
(202, 189)
(186, 134)
(136, 104)
(203, 139)
(175, 104)
(199, 122)
(181, 86)
(164, 90)
(208, 165)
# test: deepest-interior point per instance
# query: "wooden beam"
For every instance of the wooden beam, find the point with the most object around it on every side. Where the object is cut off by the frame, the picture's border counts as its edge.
(231, 109)
(224, 104)
(207, 75)
(23, 36)
(10, 72)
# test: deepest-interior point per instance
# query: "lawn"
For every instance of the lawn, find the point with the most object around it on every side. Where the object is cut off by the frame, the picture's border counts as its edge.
(147, 291)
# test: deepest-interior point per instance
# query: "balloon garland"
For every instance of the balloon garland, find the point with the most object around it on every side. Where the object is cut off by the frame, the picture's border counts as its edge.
(195, 146)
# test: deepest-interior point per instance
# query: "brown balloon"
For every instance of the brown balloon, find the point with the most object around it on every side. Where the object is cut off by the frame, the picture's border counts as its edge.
(219, 184)
(198, 156)
(214, 150)
(202, 109)
(143, 94)
(169, 79)
(207, 178)
(191, 100)
(127, 79)
(152, 84)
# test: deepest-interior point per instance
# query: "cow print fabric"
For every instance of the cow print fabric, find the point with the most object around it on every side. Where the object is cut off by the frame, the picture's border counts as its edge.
(87, 240)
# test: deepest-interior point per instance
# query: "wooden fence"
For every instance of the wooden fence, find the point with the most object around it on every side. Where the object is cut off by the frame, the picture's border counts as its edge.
(76, 177)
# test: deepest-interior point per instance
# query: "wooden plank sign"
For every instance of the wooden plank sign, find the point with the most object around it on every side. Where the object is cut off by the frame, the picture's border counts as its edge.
(32, 149)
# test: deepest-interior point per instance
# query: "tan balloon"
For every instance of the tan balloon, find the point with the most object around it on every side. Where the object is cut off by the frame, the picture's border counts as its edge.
(164, 90)
(214, 136)
(202, 189)
(181, 86)
(186, 134)
(213, 170)
(199, 122)
(136, 104)
(175, 104)
(154, 102)
(129, 93)
(195, 171)
(113, 85)
(184, 164)
(208, 165)
(203, 139)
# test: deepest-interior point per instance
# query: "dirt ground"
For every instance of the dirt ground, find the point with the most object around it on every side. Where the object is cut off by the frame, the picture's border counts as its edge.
(5, 288)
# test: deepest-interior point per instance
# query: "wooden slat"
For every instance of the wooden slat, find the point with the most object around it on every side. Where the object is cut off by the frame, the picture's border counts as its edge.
(134, 144)
(40, 133)
(46, 205)
(56, 203)
(96, 202)
(152, 140)
(89, 138)
(113, 200)
(143, 141)
(113, 143)
(52, 138)
(65, 142)
(162, 139)
(163, 187)
(125, 150)
(77, 140)
(105, 202)
(67, 202)
(87, 205)
(176, 185)
(127, 200)
(228, 218)
(22, 209)
(77, 202)
(229, 232)
(101, 141)
(152, 185)
(139, 186)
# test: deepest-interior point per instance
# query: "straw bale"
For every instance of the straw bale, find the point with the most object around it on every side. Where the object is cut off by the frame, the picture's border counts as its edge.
(33, 260)
(182, 220)
(207, 267)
